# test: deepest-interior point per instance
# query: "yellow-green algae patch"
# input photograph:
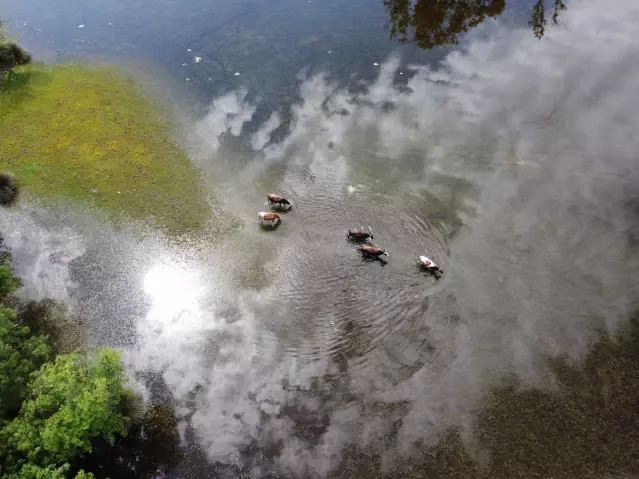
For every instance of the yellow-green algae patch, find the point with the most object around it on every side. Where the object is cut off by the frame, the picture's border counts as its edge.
(89, 134)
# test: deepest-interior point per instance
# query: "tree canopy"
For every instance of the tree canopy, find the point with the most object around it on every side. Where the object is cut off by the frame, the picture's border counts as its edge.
(8, 188)
(31, 471)
(8, 282)
(65, 408)
(11, 56)
(71, 401)
(20, 355)
(51, 412)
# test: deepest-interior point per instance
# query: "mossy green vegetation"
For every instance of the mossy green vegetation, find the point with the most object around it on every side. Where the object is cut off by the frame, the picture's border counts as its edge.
(88, 133)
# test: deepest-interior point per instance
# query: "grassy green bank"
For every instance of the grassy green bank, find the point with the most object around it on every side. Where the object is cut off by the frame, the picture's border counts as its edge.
(89, 134)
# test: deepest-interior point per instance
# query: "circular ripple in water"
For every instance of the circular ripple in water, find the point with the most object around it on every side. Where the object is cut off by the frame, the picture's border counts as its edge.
(326, 299)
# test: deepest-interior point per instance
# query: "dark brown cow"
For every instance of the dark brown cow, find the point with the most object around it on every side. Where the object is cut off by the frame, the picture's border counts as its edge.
(372, 251)
(279, 202)
(359, 235)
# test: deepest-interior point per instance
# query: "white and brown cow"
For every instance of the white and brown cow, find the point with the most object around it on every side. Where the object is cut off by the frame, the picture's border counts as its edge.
(270, 219)
(429, 265)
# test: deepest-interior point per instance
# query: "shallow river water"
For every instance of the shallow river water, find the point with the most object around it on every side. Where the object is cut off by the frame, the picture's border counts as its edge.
(509, 160)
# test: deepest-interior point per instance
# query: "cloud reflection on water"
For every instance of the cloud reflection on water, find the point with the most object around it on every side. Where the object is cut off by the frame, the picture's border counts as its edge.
(531, 144)
(541, 136)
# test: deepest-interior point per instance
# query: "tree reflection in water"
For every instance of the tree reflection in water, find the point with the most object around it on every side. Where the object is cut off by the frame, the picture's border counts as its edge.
(430, 23)
(538, 16)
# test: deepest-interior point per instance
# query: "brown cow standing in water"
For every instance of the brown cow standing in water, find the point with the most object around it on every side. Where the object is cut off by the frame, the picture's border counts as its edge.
(270, 219)
(372, 251)
(279, 202)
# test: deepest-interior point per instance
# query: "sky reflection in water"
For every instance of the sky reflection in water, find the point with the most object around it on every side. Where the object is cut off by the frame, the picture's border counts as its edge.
(500, 148)
(211, 48)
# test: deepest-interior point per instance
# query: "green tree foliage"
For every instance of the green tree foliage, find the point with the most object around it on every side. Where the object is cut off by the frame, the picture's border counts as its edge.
(8, 282)
(71, 402)
(52, 413)
(20, 355)
(30, 471)
(5, 254)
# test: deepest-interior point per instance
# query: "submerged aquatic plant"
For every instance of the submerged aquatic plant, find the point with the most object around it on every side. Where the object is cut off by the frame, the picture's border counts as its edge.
(8, 188)
(8, 281)
(132, 406)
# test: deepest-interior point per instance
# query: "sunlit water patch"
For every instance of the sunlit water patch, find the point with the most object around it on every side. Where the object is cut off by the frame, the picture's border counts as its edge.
(172, 289)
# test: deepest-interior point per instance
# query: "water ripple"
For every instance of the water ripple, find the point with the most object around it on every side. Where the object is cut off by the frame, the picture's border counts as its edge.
(326, 300)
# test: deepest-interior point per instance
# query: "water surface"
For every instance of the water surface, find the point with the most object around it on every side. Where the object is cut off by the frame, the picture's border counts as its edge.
(512, 165)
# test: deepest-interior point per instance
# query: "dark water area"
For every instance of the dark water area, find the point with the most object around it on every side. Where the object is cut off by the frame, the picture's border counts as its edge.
(262, 46)
(477, 132)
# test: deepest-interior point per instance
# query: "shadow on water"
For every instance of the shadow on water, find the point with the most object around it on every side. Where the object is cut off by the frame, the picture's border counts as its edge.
(432, 23)
(15, 89)
(50, 318)
(151, 447)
